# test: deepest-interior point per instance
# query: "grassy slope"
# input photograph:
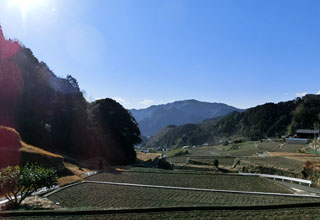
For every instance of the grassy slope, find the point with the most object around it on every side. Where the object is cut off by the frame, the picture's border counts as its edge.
(34, 154)
(35, 150)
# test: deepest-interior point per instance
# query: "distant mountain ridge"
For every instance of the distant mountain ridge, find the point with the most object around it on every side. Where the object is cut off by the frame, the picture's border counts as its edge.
(262, 121)
(151, 120)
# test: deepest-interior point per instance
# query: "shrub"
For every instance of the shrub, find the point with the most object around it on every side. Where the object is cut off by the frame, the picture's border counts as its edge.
(177, 152)
(164, 164)
(151, 150)
(17, 183)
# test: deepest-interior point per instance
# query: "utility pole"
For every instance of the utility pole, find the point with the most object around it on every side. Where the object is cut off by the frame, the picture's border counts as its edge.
(315, 135)
(314, 141)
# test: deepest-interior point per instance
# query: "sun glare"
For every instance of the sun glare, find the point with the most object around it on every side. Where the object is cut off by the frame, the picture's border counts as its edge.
(25, 5)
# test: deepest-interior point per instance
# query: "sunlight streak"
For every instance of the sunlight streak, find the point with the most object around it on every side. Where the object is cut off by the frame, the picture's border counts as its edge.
(26, 5)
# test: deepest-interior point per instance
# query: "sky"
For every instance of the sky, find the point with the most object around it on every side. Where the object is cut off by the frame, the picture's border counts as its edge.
(146, 52)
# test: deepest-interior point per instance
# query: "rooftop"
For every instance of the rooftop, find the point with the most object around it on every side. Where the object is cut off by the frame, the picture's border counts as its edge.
(307, 131)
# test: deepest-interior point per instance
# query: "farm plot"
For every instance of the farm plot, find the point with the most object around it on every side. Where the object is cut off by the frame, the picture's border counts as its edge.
(243, 149)
(203, 151)
(208, 181)
(301, 157)
(268, 146)
(280, 162)
(179, 159)
(224, 161)
(100, 196)
(292, 147)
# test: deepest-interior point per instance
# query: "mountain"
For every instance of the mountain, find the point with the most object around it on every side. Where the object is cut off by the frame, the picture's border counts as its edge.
(268, 120)
(52, 113)
(151, 120)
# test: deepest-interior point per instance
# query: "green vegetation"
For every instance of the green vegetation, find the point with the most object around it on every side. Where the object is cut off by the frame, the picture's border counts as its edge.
(177, 152)
(17, 183)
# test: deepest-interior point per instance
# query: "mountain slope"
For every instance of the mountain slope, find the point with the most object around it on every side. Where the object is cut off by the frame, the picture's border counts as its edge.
(262, 121)
(151, 120)
(52, 113)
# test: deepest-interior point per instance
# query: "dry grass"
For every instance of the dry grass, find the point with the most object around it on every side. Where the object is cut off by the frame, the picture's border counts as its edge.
(296, 156)
(77, 177)
(32, 149)
(287, 154)
(305, 159)
(77, 172)
(120, 170)
(9, 130)
(62, 181)
(147, 156)
(75, 169)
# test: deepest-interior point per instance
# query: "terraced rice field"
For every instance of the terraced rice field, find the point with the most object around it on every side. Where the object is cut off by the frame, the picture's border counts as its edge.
(206, 181)
(291, 148)
(279, 162)
(268, 146)
(224, 161)
(101, 196)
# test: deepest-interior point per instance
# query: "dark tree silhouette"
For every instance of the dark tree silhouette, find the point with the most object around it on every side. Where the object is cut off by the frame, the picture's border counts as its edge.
(52, 113)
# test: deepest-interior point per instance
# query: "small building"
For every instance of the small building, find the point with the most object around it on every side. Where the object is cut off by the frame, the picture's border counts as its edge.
(306, 133)
(292, 140)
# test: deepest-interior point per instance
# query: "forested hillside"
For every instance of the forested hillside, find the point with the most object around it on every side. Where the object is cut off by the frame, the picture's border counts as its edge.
(268, 120)
(51, 112)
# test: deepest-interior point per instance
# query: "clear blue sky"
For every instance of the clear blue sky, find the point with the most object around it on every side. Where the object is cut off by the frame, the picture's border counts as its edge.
(142, 52)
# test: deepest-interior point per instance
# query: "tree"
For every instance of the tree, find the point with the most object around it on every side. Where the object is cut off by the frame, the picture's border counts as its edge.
(17, 183)
(73, 82)
(119, 129)
(216, 163)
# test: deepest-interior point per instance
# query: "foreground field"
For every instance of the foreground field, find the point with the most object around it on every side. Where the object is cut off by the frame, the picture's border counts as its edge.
(196, 180)
(101, 196)
(280, 214)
